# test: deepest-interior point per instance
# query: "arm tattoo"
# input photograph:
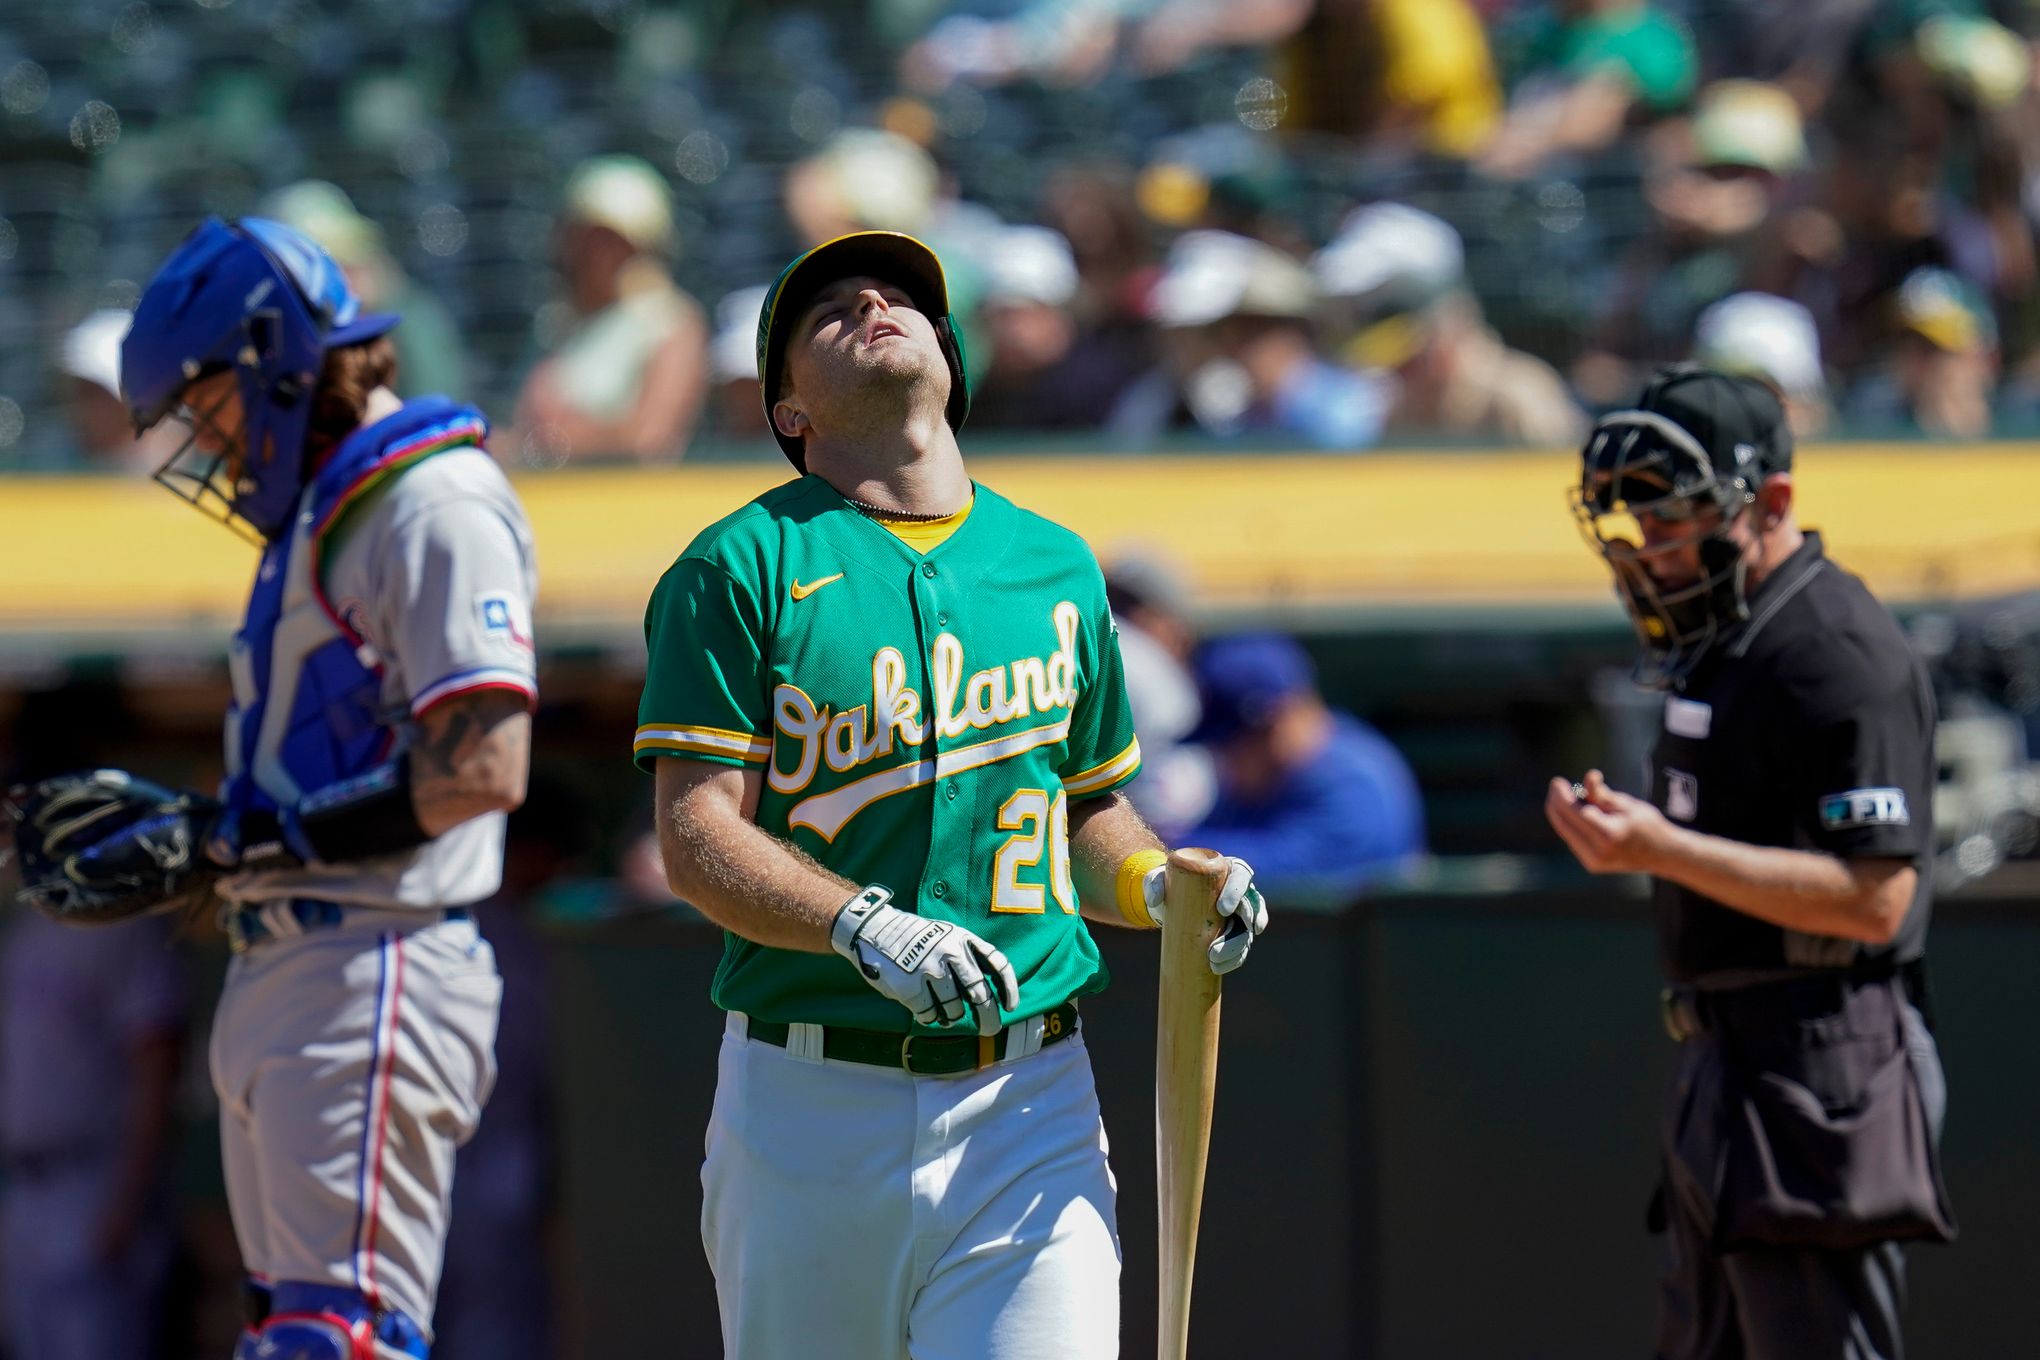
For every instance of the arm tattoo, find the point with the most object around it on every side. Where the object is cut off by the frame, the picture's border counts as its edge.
(440, 756)
(470, 758)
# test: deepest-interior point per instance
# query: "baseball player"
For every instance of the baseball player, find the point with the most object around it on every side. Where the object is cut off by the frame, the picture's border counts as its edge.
(378, 733)
(887, 718)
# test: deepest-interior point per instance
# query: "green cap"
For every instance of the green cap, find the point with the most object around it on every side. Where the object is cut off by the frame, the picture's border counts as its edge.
(890, 255)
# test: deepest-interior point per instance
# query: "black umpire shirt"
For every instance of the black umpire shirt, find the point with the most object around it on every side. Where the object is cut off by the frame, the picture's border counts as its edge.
(1810, 727)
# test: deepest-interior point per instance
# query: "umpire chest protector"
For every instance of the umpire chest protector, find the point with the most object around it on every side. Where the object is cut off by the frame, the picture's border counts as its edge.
(307, 711)
(1808, 728)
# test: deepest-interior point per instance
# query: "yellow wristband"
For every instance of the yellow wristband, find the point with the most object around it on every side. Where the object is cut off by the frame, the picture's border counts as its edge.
(1131, 885)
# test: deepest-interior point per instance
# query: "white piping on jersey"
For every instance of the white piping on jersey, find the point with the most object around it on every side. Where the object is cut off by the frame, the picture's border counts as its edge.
(1099, 776)
(480, 677)
(712, 740)
(826, 814)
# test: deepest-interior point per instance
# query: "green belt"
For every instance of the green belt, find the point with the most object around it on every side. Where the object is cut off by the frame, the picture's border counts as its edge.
(925, 1055)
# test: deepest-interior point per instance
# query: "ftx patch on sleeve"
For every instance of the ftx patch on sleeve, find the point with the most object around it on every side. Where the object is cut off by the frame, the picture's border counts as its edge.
(1864, 807)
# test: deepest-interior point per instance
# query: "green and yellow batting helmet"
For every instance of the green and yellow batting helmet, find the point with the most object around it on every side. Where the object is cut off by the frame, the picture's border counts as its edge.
(890, 255)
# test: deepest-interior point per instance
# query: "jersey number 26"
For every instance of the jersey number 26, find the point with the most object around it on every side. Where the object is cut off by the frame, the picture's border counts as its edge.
(1040, 825)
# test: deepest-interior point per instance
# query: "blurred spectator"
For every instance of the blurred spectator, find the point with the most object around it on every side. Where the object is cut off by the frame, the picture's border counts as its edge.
(863, 179)
(1095, 207)
(1060, 42)
(1799, 45)
(1238, 317)
(1714, 197)
(1588, 69)
(431, 355)
(1043, 372)
(1770, 338)
(1940, 372)
(733, 365)
(1224, 177)
(1024, 312)
(1972, 105)
(1930, 125)
(496, 1297)
(1150, 606)
(1397, 301)
(92, 1028)
(1413, 74)
(103, 432)
(1877, 216)
(1314, 799)
(630, 376)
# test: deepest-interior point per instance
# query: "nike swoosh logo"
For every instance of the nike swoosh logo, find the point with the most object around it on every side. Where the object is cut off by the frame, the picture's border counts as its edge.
(801, 592)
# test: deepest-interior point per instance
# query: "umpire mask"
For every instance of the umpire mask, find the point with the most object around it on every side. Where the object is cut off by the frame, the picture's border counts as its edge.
(1664, 484)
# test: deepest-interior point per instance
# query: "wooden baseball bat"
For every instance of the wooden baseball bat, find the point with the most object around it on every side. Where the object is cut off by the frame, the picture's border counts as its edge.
(1186, 1075)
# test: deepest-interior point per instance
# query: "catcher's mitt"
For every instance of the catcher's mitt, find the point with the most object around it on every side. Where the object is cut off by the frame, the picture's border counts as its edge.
(102, 845)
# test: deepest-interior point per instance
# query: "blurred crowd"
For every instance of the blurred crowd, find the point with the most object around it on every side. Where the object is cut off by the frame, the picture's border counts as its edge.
(1329, 223)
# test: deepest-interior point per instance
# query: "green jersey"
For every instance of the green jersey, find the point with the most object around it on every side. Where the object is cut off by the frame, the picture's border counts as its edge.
(922, 721)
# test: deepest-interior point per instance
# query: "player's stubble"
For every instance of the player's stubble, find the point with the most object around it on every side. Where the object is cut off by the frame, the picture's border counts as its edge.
(880, 386)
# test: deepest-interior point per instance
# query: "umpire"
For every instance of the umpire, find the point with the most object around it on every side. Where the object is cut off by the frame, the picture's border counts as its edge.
(1786, 835)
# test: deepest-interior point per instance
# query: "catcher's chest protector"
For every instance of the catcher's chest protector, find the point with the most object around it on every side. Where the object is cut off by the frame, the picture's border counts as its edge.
(306, 711)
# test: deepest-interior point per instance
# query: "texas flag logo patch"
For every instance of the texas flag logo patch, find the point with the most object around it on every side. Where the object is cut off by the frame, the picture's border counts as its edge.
(1864, 807)
(505, 618)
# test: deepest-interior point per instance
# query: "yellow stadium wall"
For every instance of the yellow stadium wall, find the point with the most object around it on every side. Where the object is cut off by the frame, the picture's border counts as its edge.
(1420, 529)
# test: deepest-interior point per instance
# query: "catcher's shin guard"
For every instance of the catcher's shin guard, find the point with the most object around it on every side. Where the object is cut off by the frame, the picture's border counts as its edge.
(327, 1322)
(255, 1303)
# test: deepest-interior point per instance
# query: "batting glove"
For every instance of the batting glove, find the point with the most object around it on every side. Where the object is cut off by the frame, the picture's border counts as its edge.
(1240, 904)
(936, 969)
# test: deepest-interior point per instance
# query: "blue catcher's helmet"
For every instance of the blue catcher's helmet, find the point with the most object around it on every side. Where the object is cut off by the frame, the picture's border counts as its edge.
(260, 299)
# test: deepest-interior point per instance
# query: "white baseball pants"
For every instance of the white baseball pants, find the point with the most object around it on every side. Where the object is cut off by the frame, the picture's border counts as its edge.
(863, 1212)
(350, 1063)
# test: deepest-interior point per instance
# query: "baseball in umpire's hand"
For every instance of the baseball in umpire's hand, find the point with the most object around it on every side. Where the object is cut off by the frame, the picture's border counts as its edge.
(1607, 831)
(1240, 905)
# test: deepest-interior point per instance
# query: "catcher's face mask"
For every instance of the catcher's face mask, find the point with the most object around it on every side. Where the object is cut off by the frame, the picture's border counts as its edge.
(1652, 504)
(260, 301)
(206, 467)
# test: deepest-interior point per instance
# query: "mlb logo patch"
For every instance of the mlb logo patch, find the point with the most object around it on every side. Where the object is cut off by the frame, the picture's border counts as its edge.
(505, 619)
(1864, 807)
(1682, 795)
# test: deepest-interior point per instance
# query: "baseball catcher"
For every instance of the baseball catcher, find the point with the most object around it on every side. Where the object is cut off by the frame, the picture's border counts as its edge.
(379, 730)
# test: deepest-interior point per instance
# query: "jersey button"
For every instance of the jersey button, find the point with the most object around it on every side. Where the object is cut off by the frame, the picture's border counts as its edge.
(941, 620)
(927, 568)
(949, 792)
(940, 889)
